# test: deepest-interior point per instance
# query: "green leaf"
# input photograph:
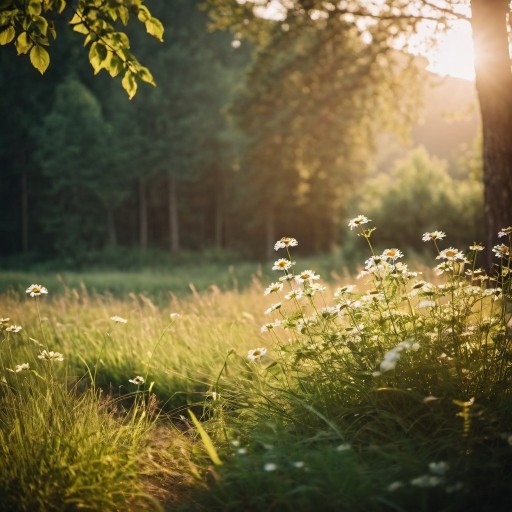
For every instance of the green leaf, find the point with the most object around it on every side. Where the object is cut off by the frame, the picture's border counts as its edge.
(155, 28)
(41, 24)
(143, 14)
(34, 8)
(144, 74)
(40, 58)
(123, 14)
(129, 84)
(7, 35)
(208, 444)
(81, 28)
(23, 43)
(114, 65)
(97, 56)
(75, 19)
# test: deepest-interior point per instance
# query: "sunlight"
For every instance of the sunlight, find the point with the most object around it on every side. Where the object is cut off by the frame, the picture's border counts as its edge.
(453, 54)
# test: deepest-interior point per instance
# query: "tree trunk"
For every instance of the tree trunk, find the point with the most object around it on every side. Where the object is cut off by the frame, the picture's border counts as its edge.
(219, 219)
(270, 233)
(112, 235)
(24, 212)
(143, 215)
(494, 86)
(174, 236)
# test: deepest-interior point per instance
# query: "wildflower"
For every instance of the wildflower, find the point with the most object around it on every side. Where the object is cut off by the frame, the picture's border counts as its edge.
(402, 270)
(273, 288)
(21, 367)
(505, 231)
(242, 451)
(272, 308)
(445, 266)
(501, 250)
(118, 319)
(35, 290)
(294, 294)
(4, 321)
(51, 356)
(438, 468)
(395, 486)
(427, 481)
(433, 235)
(445, 359)
(329, 312)
(476, 247)
(282, 264)
(298, 464)
(314, 288)
(344, 290)
(270, 466)
(392, 254)
(357, 221)
(306, 276)
(137, 380)
(426, 304)
(451, 254)
(13, 328)
(457, 486)
(256, 353)
(285, 242)
(172, 316)
(286, 277)
(270, 326)
(392, 356)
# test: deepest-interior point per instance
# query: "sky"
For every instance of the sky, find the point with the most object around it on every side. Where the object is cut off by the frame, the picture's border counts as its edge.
(453, 55)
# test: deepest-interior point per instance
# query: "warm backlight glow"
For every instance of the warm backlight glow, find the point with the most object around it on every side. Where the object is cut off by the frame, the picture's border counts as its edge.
(454, 53)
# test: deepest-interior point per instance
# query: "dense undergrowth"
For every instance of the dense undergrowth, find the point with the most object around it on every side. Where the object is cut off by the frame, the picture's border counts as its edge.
(388, 393)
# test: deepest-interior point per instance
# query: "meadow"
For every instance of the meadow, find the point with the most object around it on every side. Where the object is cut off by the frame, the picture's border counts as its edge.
(285, 389)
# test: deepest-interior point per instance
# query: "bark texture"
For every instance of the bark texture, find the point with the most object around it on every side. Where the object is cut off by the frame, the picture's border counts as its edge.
(494, 85)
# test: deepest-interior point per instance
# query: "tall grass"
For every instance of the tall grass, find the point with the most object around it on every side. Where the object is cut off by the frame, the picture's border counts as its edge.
(411, 376)
(390, 392)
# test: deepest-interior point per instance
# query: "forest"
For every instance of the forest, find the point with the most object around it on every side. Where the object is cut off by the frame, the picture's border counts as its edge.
(256, 256)
(240, 141)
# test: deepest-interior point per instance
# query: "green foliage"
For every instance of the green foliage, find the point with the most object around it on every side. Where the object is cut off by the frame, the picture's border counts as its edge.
(420, 195)
(74, 148)
(408, 376)
(392, 394)
(31, 25)
(62, 447)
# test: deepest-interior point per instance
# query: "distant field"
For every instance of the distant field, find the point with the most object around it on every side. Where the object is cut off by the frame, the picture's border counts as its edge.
(160, 283)
(154, 283)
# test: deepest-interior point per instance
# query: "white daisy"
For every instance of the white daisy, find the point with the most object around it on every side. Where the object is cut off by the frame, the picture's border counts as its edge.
(51, 356)
(256, 353)
(285, 242)
(433, 235)
(282, 264)
(35, 290)
(118, 319)
(357, 221)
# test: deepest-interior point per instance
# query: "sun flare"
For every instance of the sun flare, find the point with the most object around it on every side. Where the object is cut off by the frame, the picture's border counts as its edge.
(454, 54)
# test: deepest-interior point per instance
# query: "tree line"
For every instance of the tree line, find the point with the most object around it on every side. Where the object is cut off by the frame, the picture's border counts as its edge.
(239, 143)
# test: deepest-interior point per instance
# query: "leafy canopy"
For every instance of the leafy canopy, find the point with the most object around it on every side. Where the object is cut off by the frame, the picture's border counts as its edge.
(30, 26)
